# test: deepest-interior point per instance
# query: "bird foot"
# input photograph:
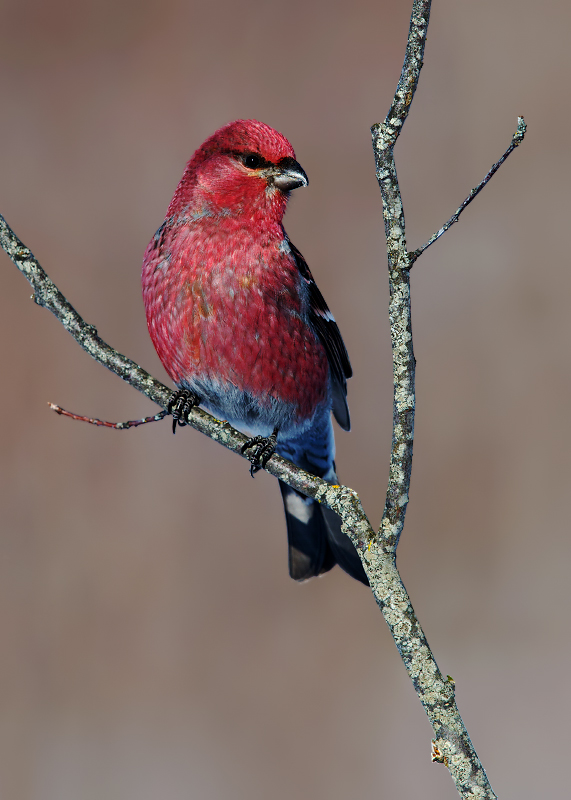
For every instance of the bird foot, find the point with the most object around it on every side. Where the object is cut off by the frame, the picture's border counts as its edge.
(264, 447)
(180, 404)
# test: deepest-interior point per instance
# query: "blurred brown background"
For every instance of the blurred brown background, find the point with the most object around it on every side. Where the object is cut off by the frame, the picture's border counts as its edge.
(152, 642)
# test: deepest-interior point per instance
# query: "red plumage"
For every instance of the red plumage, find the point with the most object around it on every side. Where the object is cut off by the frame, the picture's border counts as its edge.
(223, 298)
(234, 313)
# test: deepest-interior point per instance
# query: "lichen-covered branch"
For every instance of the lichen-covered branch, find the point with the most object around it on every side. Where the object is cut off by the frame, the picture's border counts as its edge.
(451, 743)
(384, 138)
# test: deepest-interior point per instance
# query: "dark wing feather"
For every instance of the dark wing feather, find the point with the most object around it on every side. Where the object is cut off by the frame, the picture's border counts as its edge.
(324, 324)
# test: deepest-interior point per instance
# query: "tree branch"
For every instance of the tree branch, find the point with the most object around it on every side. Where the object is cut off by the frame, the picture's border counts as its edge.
(452, 743)
(517, 139)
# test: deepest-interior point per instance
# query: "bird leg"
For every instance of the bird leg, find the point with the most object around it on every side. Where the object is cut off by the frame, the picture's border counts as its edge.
(264, 448)
(180, 404)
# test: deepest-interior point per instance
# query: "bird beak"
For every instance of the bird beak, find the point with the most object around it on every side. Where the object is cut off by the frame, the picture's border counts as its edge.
(288, 174)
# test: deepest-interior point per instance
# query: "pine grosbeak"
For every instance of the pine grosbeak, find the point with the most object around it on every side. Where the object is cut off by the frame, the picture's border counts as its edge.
(242, 329)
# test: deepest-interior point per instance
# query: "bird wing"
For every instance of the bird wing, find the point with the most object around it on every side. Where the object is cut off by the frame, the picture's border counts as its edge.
(324, 325)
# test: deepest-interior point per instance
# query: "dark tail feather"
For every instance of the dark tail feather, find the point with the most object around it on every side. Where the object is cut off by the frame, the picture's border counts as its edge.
(315, 540)
(342, 547)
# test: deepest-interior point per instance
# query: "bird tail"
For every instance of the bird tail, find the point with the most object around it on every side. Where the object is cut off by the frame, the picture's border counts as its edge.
(315, 539)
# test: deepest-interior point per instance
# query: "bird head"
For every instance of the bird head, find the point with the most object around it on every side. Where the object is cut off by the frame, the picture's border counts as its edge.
(244, 169)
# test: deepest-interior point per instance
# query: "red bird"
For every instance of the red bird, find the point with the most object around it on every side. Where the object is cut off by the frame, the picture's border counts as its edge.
(242, 329)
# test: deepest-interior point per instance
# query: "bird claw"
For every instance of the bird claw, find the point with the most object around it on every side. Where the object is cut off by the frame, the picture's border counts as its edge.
(180, 404)
(264, 448)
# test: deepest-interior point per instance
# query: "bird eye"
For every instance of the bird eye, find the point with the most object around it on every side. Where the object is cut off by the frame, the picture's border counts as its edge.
(252, 161)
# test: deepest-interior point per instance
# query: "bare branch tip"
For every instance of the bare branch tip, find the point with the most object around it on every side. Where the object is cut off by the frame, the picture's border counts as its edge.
(101, 423)
(520, 132)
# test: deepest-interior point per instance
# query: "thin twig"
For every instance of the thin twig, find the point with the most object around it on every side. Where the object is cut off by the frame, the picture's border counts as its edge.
(117, 426)
(517, 139)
